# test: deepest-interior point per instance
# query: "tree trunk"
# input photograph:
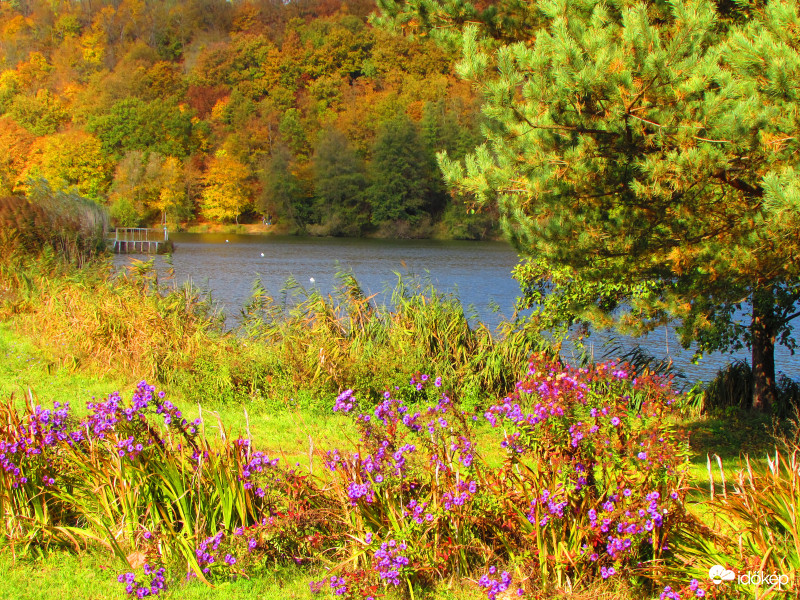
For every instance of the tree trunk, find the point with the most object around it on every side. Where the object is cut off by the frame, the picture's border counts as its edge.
(762, 329)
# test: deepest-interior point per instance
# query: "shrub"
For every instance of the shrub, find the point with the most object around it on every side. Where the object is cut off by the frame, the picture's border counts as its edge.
(589, 483)
(575, 476)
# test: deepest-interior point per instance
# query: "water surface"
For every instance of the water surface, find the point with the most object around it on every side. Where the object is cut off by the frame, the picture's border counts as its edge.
(478, 273)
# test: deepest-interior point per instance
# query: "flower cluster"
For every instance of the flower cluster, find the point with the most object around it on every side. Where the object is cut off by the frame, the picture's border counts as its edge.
(158, 582)
(463, 492)
(553, 504)
(258, 462)
(129, 447)
(344, 402)
(497, 586)
(693, 591)
(390, 561)
(204, 555)
(338, 585)
(416, 510)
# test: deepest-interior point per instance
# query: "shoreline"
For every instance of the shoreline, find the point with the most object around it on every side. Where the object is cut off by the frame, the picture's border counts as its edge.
(259, 229)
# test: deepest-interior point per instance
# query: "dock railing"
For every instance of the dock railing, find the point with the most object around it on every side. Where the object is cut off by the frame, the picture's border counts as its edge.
(138, 239)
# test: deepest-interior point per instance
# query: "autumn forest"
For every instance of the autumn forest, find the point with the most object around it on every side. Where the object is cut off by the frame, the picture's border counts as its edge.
(210, 112)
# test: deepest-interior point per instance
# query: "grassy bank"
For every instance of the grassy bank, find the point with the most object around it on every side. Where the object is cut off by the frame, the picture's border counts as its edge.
(32, 575)
(310, 380)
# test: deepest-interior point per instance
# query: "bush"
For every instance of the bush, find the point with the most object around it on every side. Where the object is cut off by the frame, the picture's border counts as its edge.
(575, 476)
(733, 388)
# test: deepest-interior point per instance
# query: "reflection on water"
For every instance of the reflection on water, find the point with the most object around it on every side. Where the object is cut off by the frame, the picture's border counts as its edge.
(478, 273)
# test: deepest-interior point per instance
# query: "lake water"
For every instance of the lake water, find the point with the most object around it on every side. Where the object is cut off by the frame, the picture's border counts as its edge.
(478, 273)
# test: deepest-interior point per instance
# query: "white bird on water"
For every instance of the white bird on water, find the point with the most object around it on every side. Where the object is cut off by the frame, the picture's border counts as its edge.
(311, 280)
(262, 254)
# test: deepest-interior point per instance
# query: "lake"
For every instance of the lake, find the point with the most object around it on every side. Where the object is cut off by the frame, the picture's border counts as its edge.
(478, 273)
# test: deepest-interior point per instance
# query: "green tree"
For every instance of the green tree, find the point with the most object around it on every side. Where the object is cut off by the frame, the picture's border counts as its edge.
(649, 148)
(405, 182)
(41, 114)
(340, 182)
(282, 190)
(293, 132)
(132, 124)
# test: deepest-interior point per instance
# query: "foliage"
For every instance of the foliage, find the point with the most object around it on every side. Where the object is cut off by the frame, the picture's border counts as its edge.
(71, 162)
(183, 82)
(406, 183)
(340, 182)
(145, 183)
(132, 124)
(225, 194)
(283, 191)
(580, 463)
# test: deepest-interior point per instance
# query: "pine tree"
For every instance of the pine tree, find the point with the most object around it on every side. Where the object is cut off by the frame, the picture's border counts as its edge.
(649, 147)
(340, 182)
(405, 182)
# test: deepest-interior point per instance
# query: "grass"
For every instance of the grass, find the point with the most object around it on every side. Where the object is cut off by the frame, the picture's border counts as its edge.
(731, 435)
(89, 576)
(25, 368)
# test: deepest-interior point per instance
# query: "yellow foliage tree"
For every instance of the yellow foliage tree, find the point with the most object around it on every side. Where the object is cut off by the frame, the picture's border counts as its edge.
(15, 143)
(225, 195)
(69, 161)
(172, 189)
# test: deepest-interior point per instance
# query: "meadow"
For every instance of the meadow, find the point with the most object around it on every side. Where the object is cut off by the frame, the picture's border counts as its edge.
(334, 448)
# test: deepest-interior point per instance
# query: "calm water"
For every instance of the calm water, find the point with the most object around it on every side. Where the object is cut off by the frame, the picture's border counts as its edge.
(478, 273)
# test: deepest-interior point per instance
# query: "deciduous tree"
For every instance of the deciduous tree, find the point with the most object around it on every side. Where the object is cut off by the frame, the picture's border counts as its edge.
(226, 192)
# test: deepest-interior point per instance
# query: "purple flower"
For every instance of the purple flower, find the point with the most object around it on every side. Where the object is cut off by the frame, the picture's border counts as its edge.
(615, 421)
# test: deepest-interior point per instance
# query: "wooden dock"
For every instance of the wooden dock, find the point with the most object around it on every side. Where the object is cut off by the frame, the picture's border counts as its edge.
(138, 240)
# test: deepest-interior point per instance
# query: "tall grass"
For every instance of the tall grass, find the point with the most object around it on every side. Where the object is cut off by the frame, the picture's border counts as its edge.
(127, 324)
(305, 343)
(733, 388)
(754, 527)
(345, 340)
